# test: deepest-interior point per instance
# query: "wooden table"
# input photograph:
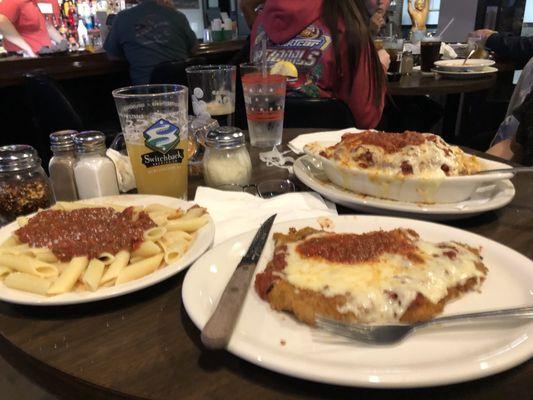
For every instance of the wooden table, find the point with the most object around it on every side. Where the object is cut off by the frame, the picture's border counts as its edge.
(418, 84)
(144, 345)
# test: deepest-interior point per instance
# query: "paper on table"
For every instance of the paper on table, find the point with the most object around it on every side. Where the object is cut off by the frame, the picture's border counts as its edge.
(298, 143)
(238, 212)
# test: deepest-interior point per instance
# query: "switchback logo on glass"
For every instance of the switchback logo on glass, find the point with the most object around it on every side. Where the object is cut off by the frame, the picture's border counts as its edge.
(162, 136)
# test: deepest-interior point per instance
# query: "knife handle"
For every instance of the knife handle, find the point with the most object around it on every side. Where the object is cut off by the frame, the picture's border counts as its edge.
(217, 332)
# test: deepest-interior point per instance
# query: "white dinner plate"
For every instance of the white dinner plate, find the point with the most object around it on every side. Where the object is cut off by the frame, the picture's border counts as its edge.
(474, 64)
(201, 243)
(466, 74)
(486, 198)
(276, 341)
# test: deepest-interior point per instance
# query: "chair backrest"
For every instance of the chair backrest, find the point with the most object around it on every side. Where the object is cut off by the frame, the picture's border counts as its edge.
(51, 111)
(174, 71)
(330, 113)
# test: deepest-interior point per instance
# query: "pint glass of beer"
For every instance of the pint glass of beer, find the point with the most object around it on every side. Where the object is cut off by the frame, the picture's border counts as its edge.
(154, 123)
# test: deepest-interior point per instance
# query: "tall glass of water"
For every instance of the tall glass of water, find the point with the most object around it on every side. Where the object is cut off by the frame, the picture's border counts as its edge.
(155, 126)
(213, 91)
(264, 98)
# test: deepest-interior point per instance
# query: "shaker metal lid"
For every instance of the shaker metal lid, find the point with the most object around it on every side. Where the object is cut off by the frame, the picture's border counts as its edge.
(17, 157)
(62, 140)
(225, 137)
(87, 141)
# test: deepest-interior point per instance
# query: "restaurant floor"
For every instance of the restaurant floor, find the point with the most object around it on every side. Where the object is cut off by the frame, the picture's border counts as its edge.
(11, 382)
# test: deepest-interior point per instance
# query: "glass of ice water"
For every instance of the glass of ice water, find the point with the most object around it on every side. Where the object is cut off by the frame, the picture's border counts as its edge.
(264, 98)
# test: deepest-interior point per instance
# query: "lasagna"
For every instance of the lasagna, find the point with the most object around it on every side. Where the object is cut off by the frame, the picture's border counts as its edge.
(401, 154)
(375, 277)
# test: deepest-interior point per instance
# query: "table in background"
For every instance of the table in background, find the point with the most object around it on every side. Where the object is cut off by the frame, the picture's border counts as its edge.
(143, 345)
(418, 84)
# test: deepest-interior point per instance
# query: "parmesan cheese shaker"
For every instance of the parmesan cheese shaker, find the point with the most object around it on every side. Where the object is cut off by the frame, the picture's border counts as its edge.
(226, 159)
(94, 172)
(61, 165)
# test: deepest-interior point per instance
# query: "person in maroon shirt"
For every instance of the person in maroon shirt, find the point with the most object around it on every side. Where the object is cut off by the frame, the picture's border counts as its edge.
(24, 27)
(329, 43)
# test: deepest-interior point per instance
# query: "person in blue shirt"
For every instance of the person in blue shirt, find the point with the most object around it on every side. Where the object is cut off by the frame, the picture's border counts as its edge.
(148, 34)
(514, 139)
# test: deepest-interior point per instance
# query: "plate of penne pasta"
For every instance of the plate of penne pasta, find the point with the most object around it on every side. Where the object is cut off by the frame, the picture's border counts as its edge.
(77, 252)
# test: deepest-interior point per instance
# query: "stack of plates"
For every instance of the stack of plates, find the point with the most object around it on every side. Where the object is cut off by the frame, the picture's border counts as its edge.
(473, 68)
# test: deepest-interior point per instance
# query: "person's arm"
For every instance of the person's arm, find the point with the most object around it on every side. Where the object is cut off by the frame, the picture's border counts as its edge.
(248, 8)
(54, 34)
(516, 48)
(190, 36)
(112, 45)
(377, 21)
(11, 34)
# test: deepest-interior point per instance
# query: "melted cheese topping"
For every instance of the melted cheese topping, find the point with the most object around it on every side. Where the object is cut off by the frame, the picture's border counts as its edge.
(422, 155)
(381, 289)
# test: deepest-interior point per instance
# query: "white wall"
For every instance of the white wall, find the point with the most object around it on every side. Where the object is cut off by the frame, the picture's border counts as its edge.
(464, 13)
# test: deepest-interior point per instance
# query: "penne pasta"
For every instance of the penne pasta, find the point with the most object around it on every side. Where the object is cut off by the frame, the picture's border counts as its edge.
(93, 274)
(29, 265)
(146, 249)
(175, 251)
(4, 271)
(176, 236)
(27, 283)
(68, 278)
(21, 221)
(17, 249)
(41, 270)
(154, 234)
(159, 218)
(140, 269)
(194, 212)
(106, 258)
(11, 241)
(42, 254)
(168, 212)
(187, 225)
(121, 260)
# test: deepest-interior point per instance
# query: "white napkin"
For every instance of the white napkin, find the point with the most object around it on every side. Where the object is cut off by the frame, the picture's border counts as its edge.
(238, 212)
(298, 143)
(125, 177)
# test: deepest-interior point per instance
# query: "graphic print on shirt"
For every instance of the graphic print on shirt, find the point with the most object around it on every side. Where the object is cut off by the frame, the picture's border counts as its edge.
(153, 30)
(305, 51)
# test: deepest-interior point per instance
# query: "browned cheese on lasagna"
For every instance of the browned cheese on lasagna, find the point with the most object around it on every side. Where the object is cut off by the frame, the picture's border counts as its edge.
(404, 154)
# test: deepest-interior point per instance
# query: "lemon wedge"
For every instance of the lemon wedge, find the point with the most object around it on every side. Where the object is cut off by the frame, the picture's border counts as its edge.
(285, 68)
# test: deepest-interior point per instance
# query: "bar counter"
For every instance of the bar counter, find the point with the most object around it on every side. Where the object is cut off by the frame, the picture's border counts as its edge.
(84, 64)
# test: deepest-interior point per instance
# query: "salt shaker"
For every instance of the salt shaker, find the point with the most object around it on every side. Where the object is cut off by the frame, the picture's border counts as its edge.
(61, 165)
(94, 172)
(226, 159)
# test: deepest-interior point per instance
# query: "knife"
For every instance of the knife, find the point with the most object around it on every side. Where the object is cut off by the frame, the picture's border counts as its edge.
(217, 332)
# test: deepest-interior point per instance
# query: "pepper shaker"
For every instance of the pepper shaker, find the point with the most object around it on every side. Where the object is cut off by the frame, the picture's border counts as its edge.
(61, 165)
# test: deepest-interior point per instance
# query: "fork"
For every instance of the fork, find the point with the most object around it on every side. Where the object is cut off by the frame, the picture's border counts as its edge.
(387, 334)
